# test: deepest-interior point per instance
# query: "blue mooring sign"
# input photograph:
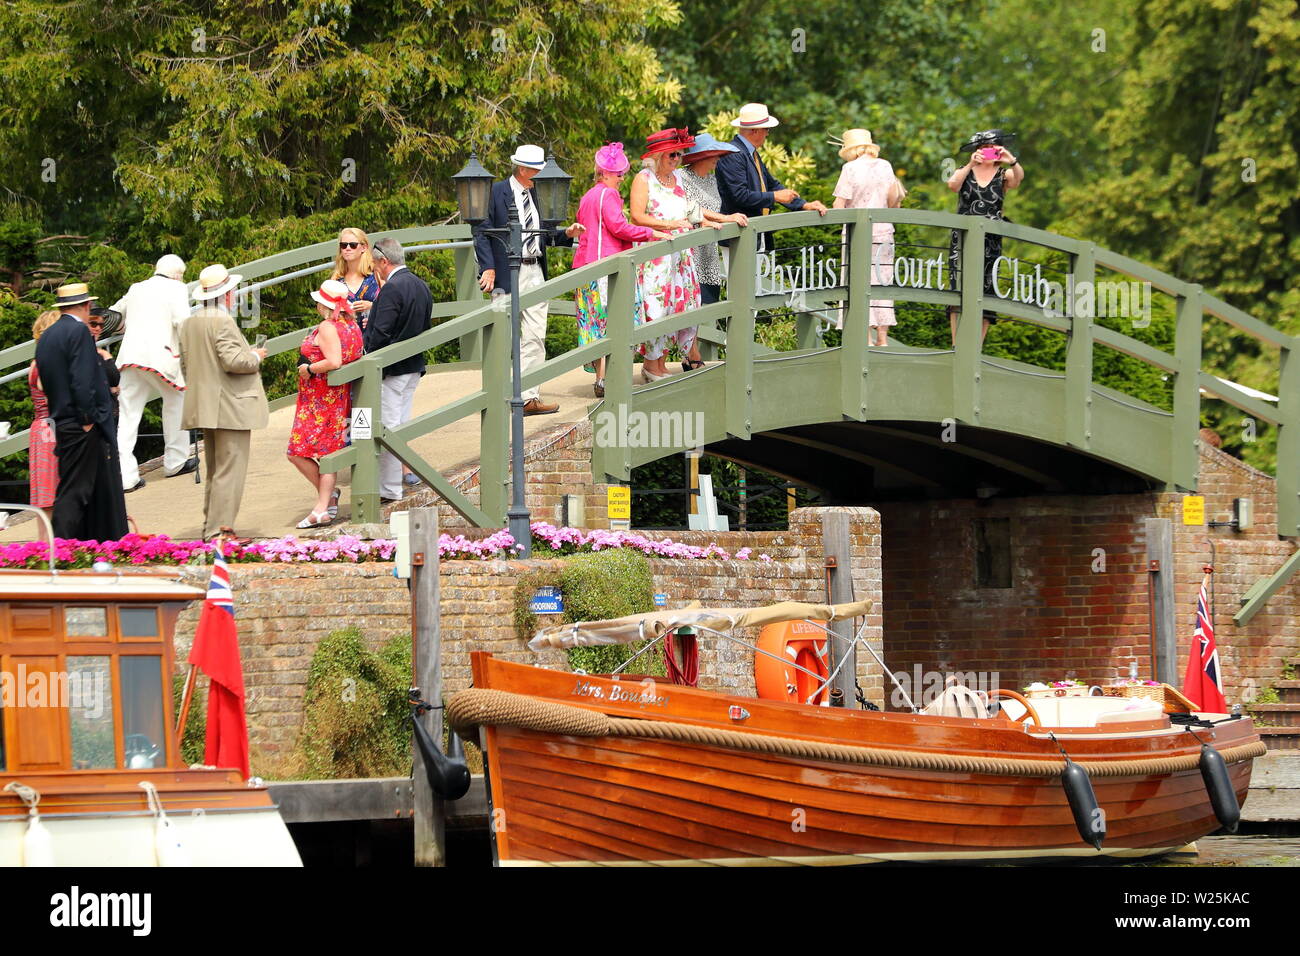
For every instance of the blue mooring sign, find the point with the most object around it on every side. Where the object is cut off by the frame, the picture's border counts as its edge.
(661, 600)
(547, 600)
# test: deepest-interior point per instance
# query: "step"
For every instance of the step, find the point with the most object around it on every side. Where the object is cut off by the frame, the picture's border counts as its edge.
(1276, 715)
(1288, 690)
(1280, 738)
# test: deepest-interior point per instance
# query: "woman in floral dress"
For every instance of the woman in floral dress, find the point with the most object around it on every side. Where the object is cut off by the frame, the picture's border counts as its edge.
(320, 422)
(669, 284)
(42, 466)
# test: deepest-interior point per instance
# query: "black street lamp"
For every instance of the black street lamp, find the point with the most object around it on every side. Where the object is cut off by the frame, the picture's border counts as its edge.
(473, 195)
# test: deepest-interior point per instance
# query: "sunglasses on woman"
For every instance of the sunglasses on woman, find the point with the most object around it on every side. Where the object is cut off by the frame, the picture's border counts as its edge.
(677, 155)
(350, 245)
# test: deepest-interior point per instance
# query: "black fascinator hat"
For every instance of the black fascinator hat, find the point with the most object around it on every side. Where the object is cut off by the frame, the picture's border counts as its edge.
(988, 137)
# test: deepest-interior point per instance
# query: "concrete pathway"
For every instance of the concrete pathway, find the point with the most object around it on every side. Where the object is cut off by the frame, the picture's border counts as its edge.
(277, 497)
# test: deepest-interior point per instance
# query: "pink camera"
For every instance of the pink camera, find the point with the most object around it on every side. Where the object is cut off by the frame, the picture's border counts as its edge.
(989, 153)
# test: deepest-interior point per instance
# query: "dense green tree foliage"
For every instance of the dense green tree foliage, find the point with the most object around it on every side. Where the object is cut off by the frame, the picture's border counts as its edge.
(1163, 129)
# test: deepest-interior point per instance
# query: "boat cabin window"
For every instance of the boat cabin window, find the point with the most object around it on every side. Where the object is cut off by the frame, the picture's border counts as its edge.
(90, 713)
(104, 669)
(86, 621)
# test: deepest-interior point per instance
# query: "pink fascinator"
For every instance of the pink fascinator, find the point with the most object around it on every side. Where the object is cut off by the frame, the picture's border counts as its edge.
(610, 158)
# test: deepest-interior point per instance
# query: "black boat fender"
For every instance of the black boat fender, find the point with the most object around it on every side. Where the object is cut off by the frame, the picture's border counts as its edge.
(448, 773)
(1214, 771)
(1089, 818)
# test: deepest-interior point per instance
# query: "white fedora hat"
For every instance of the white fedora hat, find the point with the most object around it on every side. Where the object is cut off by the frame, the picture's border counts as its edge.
(528, 155)
(215, 281)
(755, 116)
(333, 294)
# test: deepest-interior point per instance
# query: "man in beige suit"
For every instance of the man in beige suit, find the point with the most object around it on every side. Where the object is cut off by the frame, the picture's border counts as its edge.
(223, 395)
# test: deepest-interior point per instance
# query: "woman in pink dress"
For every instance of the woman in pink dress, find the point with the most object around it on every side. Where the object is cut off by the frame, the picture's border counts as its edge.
(868, 182)
(42, 466)
(607, 232)
(320, 422)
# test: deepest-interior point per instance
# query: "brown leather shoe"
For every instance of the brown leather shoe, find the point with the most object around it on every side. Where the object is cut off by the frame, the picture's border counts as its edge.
(535, 406)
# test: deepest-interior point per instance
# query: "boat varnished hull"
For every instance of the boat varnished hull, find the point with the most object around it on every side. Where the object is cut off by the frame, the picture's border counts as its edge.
(619, 800)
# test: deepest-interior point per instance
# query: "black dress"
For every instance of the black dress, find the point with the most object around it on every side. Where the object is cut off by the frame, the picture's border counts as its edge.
(976, 200)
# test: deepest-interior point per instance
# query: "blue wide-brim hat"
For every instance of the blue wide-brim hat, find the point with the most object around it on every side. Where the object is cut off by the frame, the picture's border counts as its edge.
(707, 147)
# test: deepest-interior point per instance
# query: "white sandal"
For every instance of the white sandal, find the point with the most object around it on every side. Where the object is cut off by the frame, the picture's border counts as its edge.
(333, 509)
(317, 519)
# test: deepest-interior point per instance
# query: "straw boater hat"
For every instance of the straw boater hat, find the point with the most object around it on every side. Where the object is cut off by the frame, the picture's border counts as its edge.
(529, 156)
(853, 138)
(706, 147)
(667, 140)
(215, 281)
(73, 294)
(755, 116)
(333, 294)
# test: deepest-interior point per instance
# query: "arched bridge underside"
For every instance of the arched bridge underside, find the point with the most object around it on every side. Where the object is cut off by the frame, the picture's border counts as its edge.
(912, 443)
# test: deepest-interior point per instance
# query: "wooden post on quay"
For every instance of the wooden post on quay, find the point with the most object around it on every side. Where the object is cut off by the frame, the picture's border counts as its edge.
(836, 547)
(1160, 571)
(426, 666)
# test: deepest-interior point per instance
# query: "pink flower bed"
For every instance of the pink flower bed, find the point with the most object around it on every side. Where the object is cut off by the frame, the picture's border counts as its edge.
(136, 549)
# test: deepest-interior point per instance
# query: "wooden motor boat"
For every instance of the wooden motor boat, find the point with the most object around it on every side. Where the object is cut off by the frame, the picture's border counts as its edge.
(87, 735)
(617, 770)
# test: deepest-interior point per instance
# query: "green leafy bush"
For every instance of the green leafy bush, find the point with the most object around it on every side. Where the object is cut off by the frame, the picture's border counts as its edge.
(355, 712)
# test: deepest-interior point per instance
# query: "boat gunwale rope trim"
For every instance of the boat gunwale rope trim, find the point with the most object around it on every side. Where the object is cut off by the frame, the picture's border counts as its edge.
(484, 706)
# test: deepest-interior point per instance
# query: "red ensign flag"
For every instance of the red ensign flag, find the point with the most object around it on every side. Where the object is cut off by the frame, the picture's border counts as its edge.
(1203, 684)
(216, 653)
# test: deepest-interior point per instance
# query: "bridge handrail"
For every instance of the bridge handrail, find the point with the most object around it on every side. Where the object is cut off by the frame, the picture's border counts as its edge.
(486, 327)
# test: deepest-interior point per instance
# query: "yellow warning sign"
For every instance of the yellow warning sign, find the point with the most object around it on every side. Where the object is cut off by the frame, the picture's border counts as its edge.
(618, 503)
(1194, 509)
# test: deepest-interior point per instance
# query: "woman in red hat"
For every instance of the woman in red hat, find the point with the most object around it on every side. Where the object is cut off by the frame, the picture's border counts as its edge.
(669, 284)
(320, 422)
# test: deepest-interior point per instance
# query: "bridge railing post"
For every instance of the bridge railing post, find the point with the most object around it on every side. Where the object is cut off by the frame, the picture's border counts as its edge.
(853, 342)
(1187, 388)
(467, 290)
(969, 340)
(615, 460)
(739, 370)
(494, 420)
(365, 472)
(1288, 443)
(1078, 354)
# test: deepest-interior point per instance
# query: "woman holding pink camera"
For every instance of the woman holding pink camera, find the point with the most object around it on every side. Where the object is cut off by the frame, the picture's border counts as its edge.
(981, 186)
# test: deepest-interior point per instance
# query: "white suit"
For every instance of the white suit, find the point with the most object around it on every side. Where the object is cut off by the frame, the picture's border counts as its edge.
(150, 362)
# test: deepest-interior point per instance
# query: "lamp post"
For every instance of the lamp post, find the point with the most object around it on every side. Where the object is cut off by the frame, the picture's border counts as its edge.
(473, 194)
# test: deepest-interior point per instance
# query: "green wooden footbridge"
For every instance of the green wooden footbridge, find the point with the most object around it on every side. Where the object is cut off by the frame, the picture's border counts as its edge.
(862, 424)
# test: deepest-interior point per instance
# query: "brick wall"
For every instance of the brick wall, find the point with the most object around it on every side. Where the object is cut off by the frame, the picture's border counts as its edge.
(284, 610)
(1063, 615)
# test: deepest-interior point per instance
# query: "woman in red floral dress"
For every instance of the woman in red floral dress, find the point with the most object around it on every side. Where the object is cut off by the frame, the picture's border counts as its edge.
(42, 466)
(320, 423)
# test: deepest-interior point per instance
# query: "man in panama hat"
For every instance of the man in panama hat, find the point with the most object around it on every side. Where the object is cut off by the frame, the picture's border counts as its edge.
(743, 180)
(494, 259)
(89, 505)
(223, 395)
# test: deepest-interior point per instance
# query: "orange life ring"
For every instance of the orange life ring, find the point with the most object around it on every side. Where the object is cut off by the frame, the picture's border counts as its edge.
(794, 642)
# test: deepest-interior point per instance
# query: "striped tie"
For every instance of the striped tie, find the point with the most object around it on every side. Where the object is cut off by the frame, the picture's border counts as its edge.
(529, 217)
(759, 166)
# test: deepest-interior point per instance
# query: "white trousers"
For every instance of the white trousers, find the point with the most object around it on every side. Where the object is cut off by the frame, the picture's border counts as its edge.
(396, 394)
(137, 388)
(532, 330)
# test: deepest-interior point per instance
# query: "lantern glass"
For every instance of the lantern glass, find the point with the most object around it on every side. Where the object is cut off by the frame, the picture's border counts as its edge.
(473, 187)
(553, 191)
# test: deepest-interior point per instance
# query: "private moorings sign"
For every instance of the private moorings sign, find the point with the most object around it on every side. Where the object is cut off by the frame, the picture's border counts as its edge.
(1013, 280)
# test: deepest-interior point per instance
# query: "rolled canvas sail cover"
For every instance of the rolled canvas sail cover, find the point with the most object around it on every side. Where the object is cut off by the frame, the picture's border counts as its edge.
(635, 627)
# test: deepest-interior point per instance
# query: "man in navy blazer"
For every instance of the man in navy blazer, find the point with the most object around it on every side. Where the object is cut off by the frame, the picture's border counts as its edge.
(744, 183)
(402, 311)
(494, 260)
(89, 504)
